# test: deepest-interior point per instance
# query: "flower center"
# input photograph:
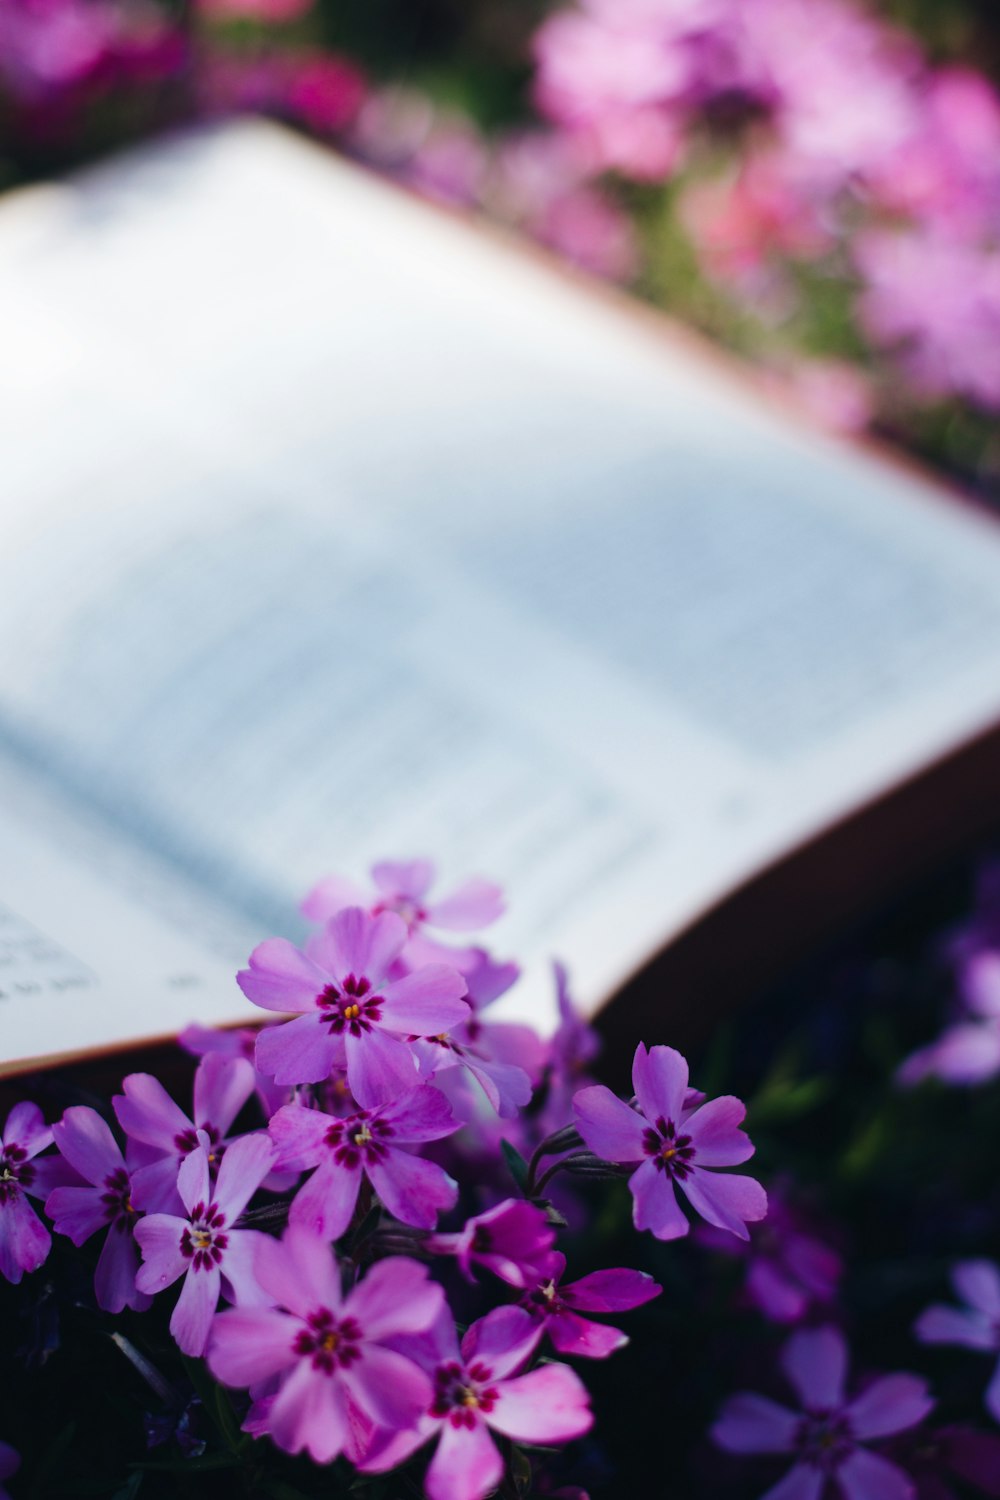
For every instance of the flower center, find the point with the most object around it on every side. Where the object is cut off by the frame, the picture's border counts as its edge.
(202, 1241)
(543, 1300)
(359, 1138)
(117, 1200)
(329, 1343)
(670, 1151)
(16, 1172)
(460, 1393)
(350, 1006)
(823, 1438)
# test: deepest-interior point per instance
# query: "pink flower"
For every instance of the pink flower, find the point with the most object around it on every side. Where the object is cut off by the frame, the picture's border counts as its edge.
(976, 1325)
(676, 1146)
(512, 1240)
(366, 1144)
(328, 1351)
(403, 887)
(24, 1240)
(477, 1389)
(148, 1115)
(828, 1436)
(85, 1141)
(204, 1247)
(352, 1013)
(556, 1309)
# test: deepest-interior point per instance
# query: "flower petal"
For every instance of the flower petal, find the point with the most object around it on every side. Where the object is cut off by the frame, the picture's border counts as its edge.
(222, 1085)
(713, 1129)
(298, 1135)
(193, 1178)
(76, 1212)
(610, 1128)
(395, 1296)
(300, 1051)
(548, 1405)
(800, 1483)
(354, 942)
(660, 1080)
(992, 1396)
(26, 1127)
(474, 904)
(889, 1405)
(413, 1190)
(868, 1476)
(159, 1239)
(726, 1199)
(466, 1465)
(239, 1269)
(815, 1361)
(147, 1113)
(391, 1389)
(114, 1278)
(191, 1319)
(655, 1207)
(421, 1114)
(977, 1282)
(325, 1203)
(244, 1166)
(309, 1412)
(248, 1345)
(571, 1334)
(330, 895)
(611, 1291)
(281, 978)
(24, 1240)
(379, 1067)
(753, 1424)
(85, 1140)
(941, 1324)
(427, 1002)
(503, 1340)
(298, 1271)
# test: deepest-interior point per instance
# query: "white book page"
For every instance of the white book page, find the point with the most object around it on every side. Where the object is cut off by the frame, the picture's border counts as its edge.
(334, 530)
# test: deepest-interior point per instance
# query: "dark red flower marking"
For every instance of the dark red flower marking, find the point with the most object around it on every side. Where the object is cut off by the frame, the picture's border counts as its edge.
(330, 1343)
(117, 1201)
(361, 1137)
(202, 1241)
(16, 1172)
(352, 1007)
(671, 1153)
(460, 1393)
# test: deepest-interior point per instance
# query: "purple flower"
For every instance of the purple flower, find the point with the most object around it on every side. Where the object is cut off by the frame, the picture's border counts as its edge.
(24, 1240)
(556, 1309)
(789, 1270)
(85, 1141)
(352, 1013)
(204, 1247)
(573, 1048)
(403, 887)
(675, 1145)
(934, 1460)
(512, 1240)
(976, 1325)
(366, 1144)
(328, 1351)
(828, 1435)
(476, 1389)
(148, 1115)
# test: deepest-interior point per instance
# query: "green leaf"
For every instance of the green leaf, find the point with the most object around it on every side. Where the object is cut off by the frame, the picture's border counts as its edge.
(516, 1164)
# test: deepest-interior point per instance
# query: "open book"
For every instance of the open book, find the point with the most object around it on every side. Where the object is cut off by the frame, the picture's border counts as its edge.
(334, 528)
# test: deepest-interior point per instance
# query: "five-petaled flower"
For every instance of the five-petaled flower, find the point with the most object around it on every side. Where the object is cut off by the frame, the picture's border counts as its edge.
(85, 1141)
(328, 1351)
(513, 1240)
(674, 1145)
(556, 1309)
(24, 1240)
(366, 1144)
(477, 1388)
(351, 1011)
(828, 1436)
(204, 1248)
(976, 1325)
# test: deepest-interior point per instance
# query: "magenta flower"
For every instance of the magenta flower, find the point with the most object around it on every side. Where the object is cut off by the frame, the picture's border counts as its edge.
(366, 1144)
(24, 1240)
(148, 1115)
(351, 1013)
(204, 1247)
(403, 887)
(512, 1240)
(328, 1351)
(476, 1390)
(976, 1325)
(556, 1309)
(85, 1141)
(675, 1146)
(828, 1436)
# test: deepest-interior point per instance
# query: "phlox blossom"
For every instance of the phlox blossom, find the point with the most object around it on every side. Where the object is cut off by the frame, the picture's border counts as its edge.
(366, 1144)
(556, 1309)
(85, 1141)
(477, 1389)
(403, 887)
(976, 1325)
(204, 1247)
(513, 1240)
(328, 1351)
(675, 1146)
(24, 1240)
(829, 1435)
(352, 1012)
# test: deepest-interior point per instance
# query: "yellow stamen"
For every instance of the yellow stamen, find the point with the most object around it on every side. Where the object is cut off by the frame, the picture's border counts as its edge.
(352, 1012)
(202, 1239)
(330, 1341)
(363, 1136)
